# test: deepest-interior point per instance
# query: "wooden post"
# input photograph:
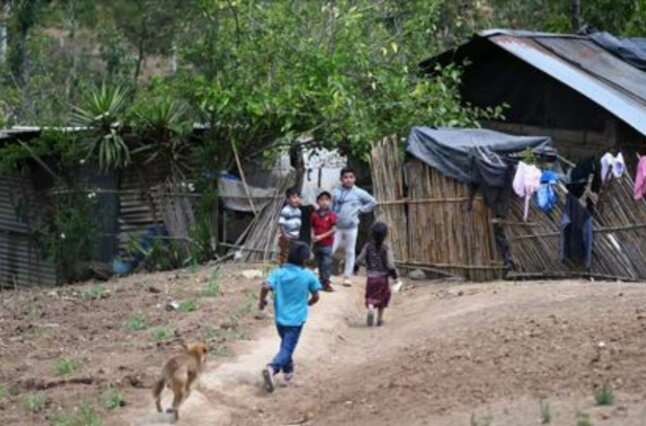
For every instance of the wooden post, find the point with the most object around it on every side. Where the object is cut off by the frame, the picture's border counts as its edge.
(244, 181)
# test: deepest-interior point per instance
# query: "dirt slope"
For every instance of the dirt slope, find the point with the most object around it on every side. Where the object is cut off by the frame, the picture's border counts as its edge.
(449, 355)
(67, 347)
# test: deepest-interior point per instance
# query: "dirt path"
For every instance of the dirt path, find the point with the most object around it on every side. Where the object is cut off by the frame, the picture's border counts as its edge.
(449, 355)
(234, 388)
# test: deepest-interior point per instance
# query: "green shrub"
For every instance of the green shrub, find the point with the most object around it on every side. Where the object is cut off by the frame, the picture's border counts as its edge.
(604, 395)
(65, 366)
(35, 402)
(136, 322)
(112, 399)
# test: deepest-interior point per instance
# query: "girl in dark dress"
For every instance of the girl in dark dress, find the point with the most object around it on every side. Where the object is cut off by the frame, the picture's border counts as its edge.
(379, 261)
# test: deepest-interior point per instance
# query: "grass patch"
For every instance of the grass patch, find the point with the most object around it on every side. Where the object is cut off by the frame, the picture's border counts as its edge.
(113, 399)
(211, 332)
(96, 292)
(485, 421)
(162, 333)
(34, 402)
(189, 305)
(604, 396)
(7, 391)
(212, 288)
(546, 413)
(35, 313)
(251, 295)
(85, 415)
(136, 322)
(219, 350)
(247, 307)
(65, 366)
(583, 419)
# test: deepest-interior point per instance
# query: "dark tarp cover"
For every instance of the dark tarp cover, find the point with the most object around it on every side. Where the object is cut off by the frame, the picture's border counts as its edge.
(631, 50)
(447, 149)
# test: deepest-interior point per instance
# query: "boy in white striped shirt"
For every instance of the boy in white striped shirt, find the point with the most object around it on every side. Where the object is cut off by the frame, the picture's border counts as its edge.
(289, 223)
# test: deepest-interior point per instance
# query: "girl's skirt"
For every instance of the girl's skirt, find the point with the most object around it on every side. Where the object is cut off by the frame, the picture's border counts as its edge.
(377, 291)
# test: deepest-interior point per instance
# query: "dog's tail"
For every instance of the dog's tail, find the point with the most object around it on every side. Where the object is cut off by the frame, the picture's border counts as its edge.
(159, 387)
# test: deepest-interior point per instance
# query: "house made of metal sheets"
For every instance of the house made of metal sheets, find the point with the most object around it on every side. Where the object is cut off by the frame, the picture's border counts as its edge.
(565, 86)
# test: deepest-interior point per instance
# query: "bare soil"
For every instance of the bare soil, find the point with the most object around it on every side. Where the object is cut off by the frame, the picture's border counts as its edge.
(91, 327)
(450, 354)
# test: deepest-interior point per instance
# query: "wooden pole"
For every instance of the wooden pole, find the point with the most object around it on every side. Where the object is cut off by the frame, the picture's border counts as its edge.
(244, 181)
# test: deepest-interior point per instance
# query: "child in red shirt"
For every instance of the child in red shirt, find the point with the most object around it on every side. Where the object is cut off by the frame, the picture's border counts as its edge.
(323, 223)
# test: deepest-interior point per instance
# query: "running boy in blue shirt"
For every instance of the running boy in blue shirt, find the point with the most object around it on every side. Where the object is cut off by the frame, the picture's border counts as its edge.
(291, 286)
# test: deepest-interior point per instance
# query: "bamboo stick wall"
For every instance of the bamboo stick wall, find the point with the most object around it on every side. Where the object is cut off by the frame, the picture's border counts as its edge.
(431, 227)
(441, 231)
(386, 167)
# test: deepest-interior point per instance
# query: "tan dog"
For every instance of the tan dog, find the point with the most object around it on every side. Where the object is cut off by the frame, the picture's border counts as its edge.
(179, 373)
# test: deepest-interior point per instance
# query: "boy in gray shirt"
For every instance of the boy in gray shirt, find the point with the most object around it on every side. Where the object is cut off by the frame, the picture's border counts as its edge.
(348, 202)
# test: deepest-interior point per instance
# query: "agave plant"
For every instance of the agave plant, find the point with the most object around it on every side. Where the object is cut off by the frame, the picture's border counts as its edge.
(163, 134)
(99, 113)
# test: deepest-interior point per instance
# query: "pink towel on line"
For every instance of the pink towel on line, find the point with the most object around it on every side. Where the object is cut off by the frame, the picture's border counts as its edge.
(640, 178)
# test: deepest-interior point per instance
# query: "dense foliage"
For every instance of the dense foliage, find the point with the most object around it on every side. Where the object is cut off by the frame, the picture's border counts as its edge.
(254, 74)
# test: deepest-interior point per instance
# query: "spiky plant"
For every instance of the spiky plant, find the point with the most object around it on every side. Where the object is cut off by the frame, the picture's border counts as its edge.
(162, 133)
(99, 112)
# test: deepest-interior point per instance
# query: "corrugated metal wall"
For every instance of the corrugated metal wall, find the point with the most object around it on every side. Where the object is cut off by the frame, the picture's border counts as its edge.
(135, 206)
(20, 261)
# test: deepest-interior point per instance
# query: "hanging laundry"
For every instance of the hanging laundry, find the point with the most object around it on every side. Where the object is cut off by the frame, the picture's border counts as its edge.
(493, 175)
(546, 196)
(640, 178)
(526, 182)
(576, 232)
(614, 164)
(579, 177)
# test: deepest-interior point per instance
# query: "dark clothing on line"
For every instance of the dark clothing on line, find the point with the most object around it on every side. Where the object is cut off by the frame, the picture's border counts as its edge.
(494, 177)
(579, 177)
(576, 232)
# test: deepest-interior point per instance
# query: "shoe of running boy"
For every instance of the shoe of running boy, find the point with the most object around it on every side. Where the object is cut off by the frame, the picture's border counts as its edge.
(268, 377)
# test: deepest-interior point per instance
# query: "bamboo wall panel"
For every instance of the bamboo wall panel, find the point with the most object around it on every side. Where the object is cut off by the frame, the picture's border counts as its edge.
(442, 233)
(427, 216)
(386, 168)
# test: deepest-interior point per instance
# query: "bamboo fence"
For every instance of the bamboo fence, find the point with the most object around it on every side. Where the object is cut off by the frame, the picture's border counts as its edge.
(386, 168)
(431, 228)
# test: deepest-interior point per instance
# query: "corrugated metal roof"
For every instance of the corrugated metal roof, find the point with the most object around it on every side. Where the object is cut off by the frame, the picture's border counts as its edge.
(593, 59)
(577, 62)
(618, 100)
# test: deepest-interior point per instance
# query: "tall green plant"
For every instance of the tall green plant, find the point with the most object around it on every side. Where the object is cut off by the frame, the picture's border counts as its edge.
(162, 133)
(70, 241)
(100, 112)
